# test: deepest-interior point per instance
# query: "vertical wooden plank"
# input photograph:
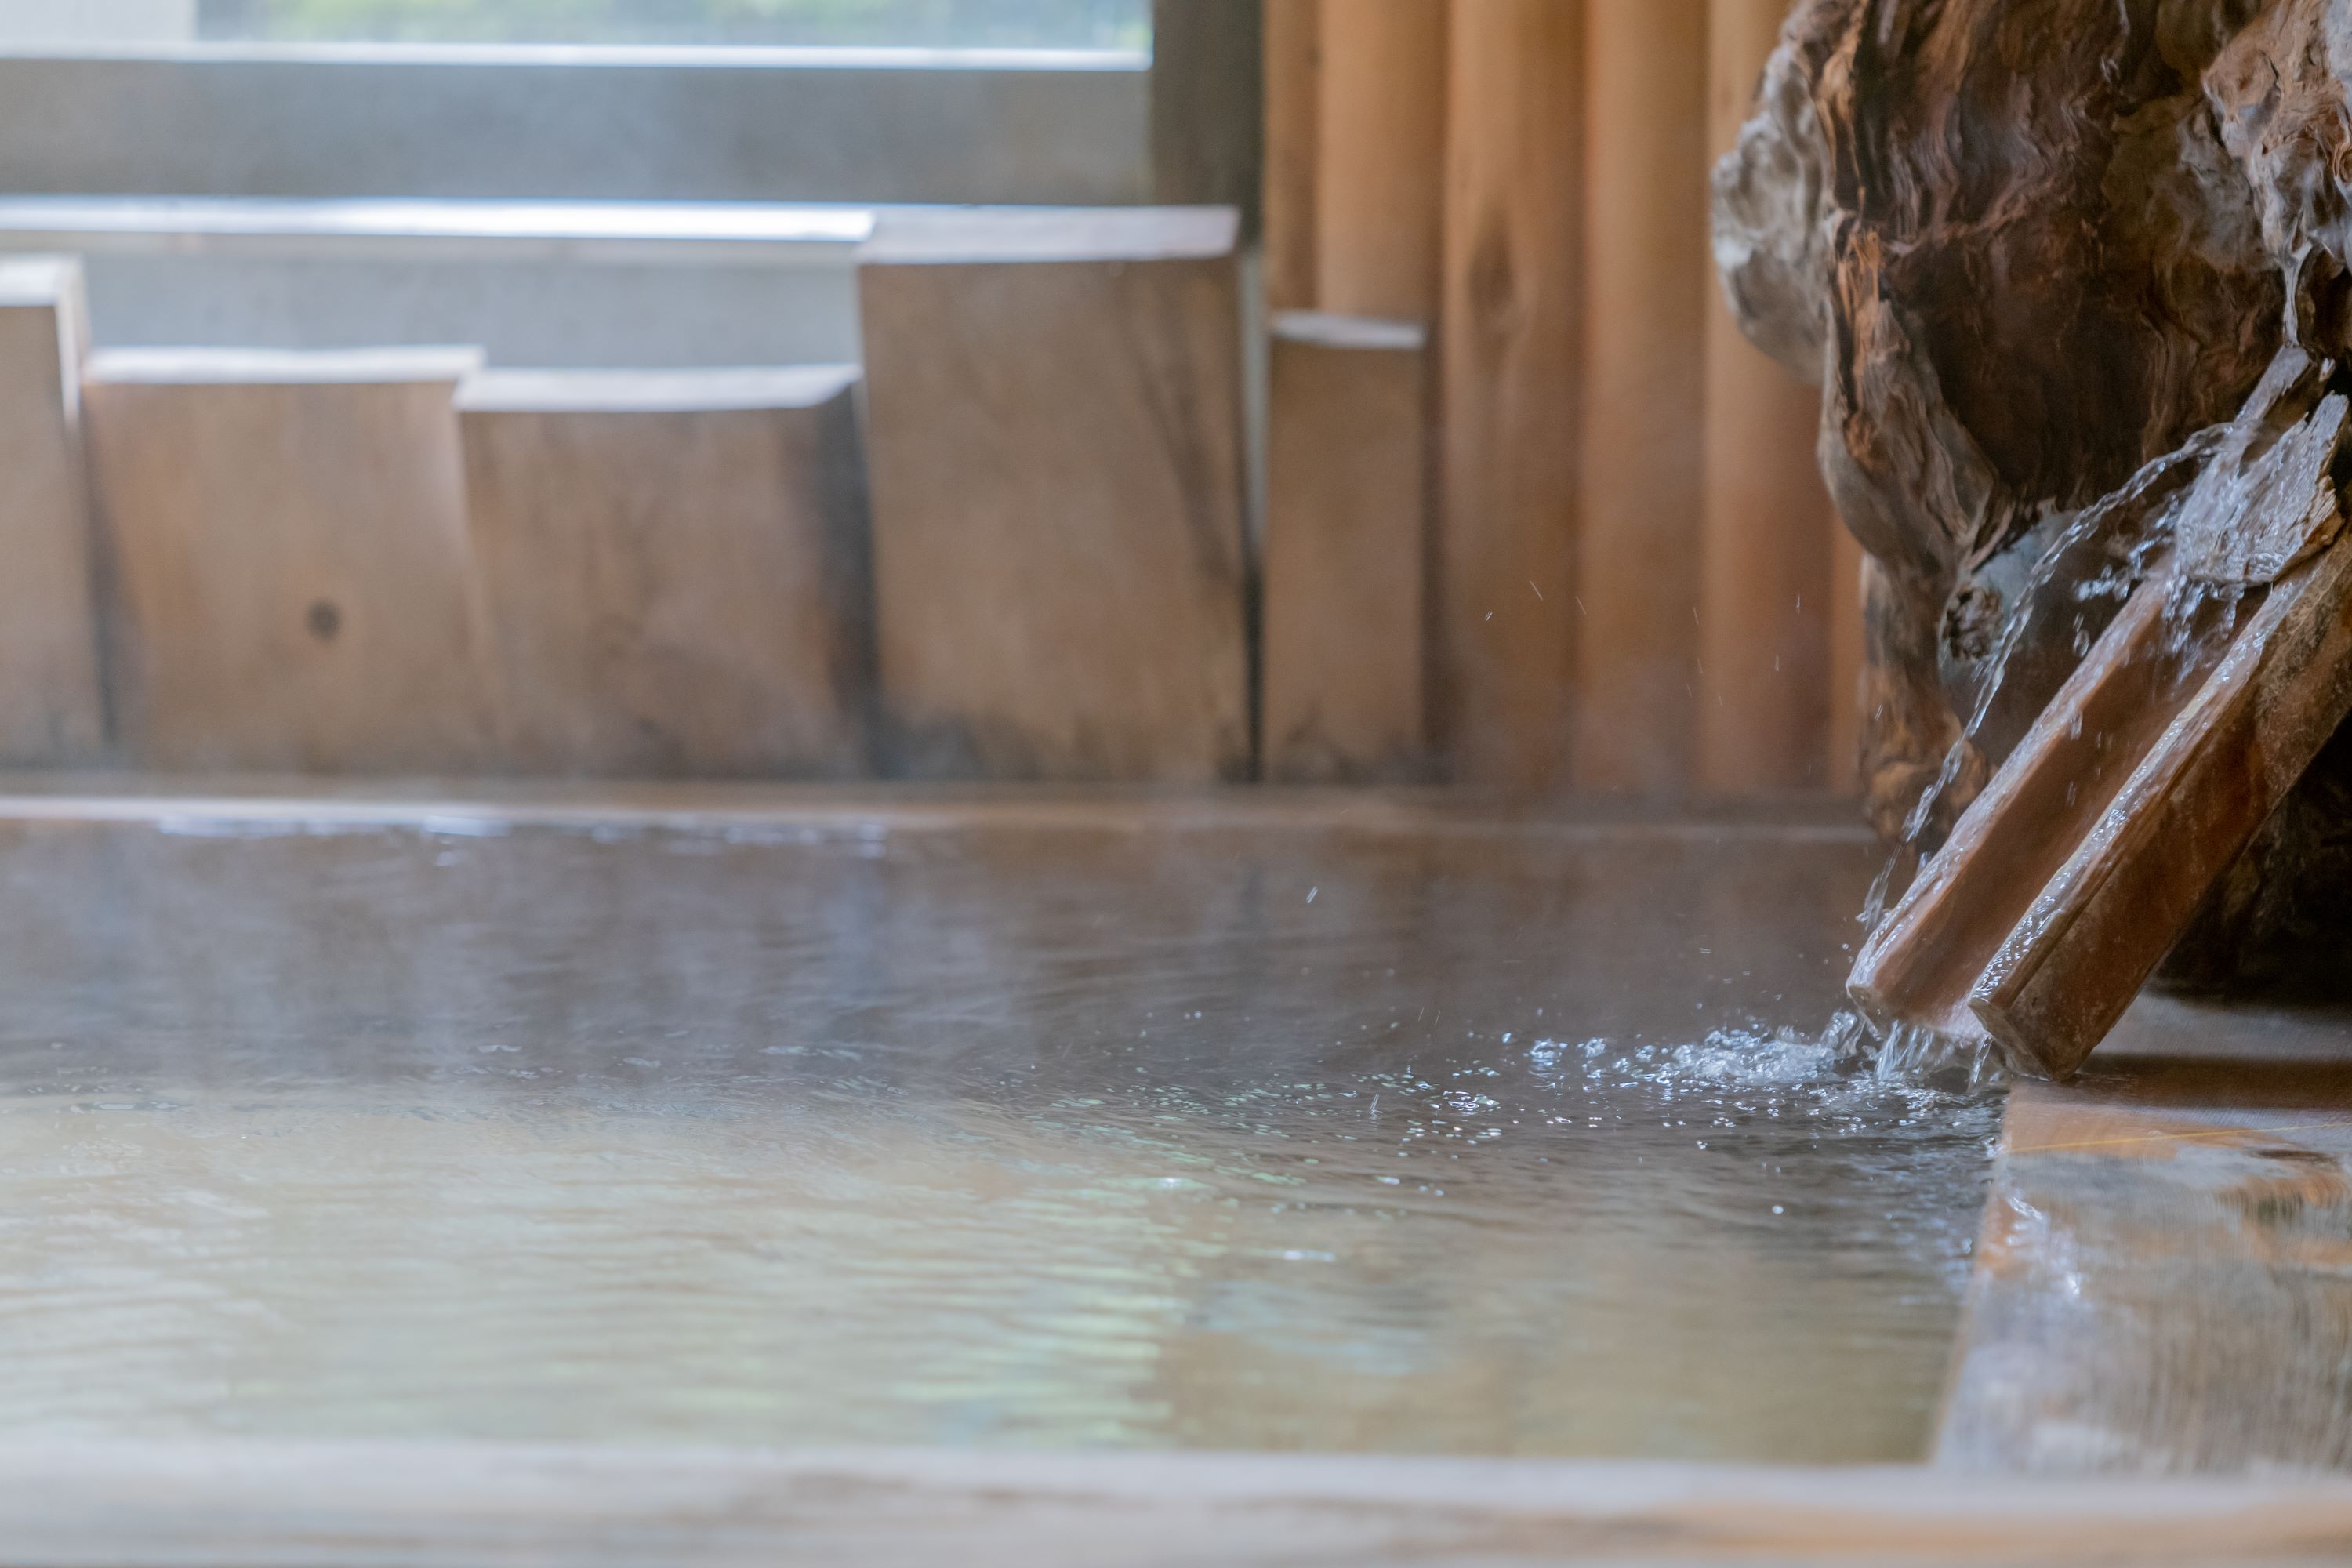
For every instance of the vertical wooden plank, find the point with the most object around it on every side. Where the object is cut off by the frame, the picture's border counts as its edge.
(1507, 599)
(287, 534)
(1347, 527)
(1380, 155)
(1644, 378)
(674, 569)
(1208, 105)
(1294, 74)
(1847, 655)
(1767, 597)
(1055, 439)
(52, 709)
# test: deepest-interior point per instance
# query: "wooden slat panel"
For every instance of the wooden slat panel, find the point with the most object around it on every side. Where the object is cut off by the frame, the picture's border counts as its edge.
(1645, 227)
(673, 568)
(288, 538)
(52, 710)
(1380, 158)
(1293, 76)
(1345, 534)
(1767, 592)
(1506, 614)
(1057, 478)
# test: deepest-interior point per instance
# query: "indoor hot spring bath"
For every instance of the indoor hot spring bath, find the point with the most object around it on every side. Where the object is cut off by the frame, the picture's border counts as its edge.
(1049, 1126)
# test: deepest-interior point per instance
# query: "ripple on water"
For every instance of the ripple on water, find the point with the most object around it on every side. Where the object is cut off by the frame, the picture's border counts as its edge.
(1043, 1139)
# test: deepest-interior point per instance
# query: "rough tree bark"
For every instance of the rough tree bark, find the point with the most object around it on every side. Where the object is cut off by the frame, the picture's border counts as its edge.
(2035, 252)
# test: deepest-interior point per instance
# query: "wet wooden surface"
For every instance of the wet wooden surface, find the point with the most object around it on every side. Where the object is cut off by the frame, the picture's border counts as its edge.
(2178, 825)
(142, 1507)
(2164, 1283)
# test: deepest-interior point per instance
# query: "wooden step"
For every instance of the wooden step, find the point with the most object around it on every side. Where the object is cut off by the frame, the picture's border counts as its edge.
(675, 567)
(52, 713)
(1054, 443)
(1346, 542)
(293, 586)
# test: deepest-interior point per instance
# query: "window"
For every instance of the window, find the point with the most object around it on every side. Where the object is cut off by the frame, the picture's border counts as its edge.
(1119, 25)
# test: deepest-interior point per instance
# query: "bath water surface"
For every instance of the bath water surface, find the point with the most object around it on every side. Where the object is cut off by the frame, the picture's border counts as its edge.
(1463, 1139)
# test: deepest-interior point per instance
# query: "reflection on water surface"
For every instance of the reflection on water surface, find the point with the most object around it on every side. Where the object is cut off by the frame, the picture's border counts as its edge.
(1459, 1142)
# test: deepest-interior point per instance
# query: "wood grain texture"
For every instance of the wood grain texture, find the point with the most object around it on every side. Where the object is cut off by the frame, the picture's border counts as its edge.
(673, 567)
(1294, 78)
(1921, 965)
(2163, 1285)
(294, 591)
(2282, 688)
(1380, 158)
(1507, 597)
(52, 702)
(1766, 588)
(1347, 534)
(332, 1505)
(1056, 459)
(1984, 240)
(1642, 478)
(1846, 656)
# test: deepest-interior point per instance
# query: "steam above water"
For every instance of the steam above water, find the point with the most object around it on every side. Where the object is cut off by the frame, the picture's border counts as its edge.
(1505, 1143)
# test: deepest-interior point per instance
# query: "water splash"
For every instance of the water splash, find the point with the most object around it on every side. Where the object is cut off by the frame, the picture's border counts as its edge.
(1845, 1055)
(1912, 1056)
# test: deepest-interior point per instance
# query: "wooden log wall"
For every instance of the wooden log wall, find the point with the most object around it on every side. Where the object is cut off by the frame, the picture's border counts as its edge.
(1638, 583)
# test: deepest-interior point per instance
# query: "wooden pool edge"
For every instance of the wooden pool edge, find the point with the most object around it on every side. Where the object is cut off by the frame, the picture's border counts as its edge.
(213, 1502)
(902, 806)
(2162, 1281)
(65, 1505)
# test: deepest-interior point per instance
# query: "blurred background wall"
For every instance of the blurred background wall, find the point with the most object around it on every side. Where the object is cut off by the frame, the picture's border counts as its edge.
(1438, 460)
(1637, 580)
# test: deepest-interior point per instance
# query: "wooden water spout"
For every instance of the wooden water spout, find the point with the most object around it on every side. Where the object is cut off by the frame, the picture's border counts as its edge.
(2142, 780)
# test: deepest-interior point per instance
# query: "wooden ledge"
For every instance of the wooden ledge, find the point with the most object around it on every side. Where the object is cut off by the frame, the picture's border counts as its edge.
(150, 1506)
(276, 367)
(952, 236)
(717, 390)
(1325, 329)
(265, 800)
